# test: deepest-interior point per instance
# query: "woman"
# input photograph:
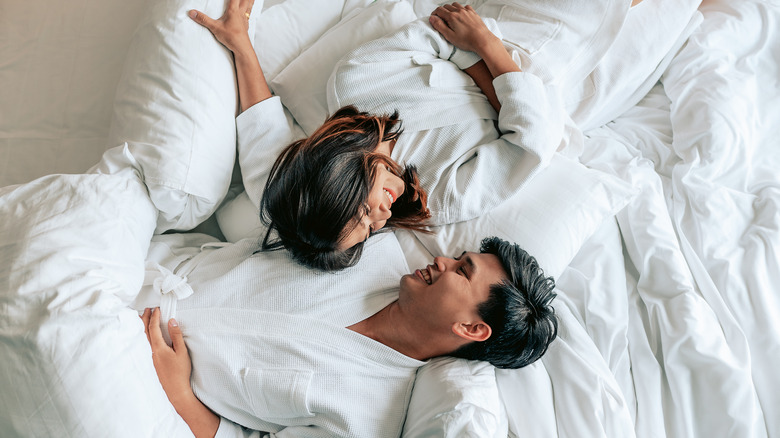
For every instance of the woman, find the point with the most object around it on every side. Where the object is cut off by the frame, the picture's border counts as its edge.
(326, 194)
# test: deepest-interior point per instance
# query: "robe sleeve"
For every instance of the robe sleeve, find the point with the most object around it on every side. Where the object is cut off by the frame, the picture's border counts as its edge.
(477, 177)
(263, 131)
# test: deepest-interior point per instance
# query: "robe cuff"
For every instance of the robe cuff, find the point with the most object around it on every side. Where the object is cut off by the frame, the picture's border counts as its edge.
(270, 110)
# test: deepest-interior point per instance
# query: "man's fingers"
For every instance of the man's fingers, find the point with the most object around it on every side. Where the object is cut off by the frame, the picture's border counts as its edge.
(145, 318)
(155, 334)
(176, 337)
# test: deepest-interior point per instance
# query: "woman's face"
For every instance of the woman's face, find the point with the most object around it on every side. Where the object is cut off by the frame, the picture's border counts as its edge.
(386, 189)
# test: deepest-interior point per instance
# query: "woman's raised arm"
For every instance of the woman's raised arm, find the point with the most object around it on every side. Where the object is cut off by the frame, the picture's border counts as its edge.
(232, 30)
(462, 27)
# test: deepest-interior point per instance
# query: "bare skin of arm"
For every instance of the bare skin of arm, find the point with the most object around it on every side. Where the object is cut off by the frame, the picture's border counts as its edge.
(463, 27)
(481, 75)
(232, 31)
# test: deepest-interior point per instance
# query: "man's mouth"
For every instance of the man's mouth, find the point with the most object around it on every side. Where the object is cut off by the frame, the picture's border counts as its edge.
(424, 275)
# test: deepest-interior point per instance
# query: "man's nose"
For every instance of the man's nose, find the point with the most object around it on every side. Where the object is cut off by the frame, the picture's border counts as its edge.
(443, 263)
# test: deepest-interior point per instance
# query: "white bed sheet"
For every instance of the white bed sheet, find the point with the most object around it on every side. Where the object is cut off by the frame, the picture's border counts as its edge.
(670, 325)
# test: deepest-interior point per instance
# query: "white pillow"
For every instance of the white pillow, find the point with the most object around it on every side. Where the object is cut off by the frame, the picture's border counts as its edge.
(286, 28)
(551, 217)
(175, 108)
(455, 398)
(302, 84)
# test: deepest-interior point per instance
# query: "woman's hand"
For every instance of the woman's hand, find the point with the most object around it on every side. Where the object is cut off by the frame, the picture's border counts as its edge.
(172, 364)
(232, 29)
(462, 27)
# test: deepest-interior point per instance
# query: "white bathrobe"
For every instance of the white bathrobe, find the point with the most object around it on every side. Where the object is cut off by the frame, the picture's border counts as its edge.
(268, 341)
(466, 165)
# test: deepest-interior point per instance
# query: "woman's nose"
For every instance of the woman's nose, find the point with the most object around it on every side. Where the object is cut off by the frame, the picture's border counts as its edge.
(383, 213)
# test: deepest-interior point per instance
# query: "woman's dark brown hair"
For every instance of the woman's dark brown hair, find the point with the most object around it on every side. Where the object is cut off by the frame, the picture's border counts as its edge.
(318, 188)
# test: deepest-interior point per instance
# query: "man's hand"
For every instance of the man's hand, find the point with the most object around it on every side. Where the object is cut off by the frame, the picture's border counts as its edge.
(172, 364)
(462, 27)
(173, 368)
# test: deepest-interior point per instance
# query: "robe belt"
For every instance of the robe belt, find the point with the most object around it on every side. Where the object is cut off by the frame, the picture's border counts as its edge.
(173, 286)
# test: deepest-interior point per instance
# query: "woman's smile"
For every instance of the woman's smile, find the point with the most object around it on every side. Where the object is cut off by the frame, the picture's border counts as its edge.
(390, 195)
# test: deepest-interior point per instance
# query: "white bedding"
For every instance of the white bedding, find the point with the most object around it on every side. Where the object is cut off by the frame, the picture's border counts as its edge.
(670, 316)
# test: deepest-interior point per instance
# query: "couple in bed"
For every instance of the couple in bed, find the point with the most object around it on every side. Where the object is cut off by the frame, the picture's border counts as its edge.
(268, 354)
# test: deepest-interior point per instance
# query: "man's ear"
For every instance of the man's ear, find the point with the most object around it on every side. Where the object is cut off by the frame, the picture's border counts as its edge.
(472, 331)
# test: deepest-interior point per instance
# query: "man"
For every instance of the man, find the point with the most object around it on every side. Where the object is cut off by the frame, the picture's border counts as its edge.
(288, 373)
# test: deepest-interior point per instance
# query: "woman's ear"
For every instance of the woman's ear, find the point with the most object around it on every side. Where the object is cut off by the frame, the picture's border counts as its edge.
(472, 331)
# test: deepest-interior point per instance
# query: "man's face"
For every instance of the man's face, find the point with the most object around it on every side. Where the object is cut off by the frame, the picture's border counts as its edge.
(449, 291)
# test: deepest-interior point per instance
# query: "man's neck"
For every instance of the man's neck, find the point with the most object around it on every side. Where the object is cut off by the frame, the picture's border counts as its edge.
(389, 327)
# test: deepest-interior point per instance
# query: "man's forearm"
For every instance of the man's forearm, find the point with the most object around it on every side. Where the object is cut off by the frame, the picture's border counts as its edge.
(202, 421)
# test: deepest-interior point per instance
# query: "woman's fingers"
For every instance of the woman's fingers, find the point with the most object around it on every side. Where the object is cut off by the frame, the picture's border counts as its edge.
(246, 6)
(202, 19)
(440, 26)
(461, 26)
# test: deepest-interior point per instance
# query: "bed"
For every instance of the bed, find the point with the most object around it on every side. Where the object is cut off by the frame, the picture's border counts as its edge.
(663, 230)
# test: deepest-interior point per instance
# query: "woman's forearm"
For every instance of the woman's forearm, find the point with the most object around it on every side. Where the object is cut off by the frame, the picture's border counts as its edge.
(463, 27)
(232, 31)
(252, 87)
(497, 59)
(480, 73)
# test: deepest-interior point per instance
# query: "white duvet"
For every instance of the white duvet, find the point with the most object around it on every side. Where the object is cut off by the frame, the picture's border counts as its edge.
(75, 361)
(670, 312)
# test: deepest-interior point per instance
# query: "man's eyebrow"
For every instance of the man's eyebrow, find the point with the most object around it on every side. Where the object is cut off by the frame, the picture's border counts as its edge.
(469, 261)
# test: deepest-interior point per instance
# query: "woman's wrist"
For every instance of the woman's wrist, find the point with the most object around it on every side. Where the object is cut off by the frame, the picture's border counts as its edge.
(489, 44)
(245, 53)
(497, 59)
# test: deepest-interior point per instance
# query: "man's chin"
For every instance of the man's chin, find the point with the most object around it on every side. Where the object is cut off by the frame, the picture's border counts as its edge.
(408, 280)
